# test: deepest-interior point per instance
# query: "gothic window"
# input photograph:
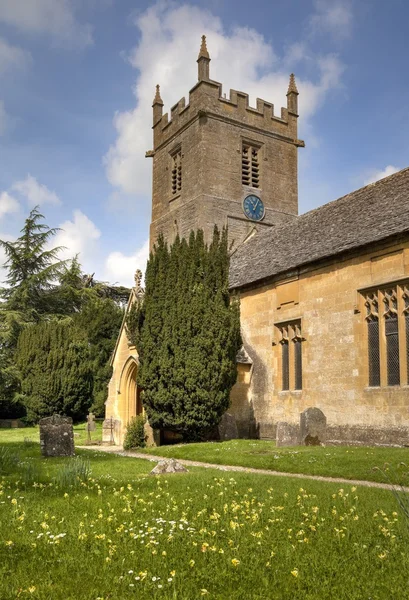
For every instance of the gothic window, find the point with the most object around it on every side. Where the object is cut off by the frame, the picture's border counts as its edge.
(387, 321)
(291, 355)
(177, 171)
(250, 169)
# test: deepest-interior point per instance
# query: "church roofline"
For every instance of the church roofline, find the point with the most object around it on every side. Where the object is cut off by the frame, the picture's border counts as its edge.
(370, 215)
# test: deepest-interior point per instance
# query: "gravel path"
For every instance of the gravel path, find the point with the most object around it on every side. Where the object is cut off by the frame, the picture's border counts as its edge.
(194, 463)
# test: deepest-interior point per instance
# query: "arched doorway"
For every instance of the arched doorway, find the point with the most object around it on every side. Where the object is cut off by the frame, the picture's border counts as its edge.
(130, 403)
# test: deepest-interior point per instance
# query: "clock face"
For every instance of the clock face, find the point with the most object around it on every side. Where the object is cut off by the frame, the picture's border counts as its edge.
(253, 207)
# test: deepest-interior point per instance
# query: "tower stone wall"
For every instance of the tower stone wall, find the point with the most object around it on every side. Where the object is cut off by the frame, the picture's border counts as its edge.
(206, 135)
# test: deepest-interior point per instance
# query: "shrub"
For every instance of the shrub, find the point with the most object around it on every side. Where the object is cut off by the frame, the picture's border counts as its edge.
(135, 433)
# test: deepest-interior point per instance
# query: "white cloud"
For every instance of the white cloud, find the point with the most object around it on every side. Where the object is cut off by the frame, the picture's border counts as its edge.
(12, 57)
(53, 17)
(241, 59)
(332, 16)
(375, 175)
(8, 204)
(79, 236)
(121, 268)
(34, 192)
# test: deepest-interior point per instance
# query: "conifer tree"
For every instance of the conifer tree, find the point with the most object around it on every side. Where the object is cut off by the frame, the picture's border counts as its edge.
(187, 333)
(40, 288)
(56, 371)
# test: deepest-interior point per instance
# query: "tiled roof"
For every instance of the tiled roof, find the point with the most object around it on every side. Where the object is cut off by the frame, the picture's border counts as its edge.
(370, 214)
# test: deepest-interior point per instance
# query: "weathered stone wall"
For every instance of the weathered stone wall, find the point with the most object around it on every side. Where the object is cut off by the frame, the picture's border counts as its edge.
(334, 351)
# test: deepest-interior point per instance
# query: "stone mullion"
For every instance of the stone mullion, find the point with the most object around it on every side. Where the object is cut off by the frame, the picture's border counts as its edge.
(403, 366)
(382, 341)
(291, 357)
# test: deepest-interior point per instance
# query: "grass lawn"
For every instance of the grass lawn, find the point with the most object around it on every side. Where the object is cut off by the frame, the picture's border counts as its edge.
(33, 434)
(121, 534)
(332, 461)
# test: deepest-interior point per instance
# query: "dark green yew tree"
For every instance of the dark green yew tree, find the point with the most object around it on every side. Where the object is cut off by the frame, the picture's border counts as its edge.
(56, 372)
(187, 332)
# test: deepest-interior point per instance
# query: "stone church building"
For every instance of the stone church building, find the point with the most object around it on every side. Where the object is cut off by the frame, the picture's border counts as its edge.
(324, 296)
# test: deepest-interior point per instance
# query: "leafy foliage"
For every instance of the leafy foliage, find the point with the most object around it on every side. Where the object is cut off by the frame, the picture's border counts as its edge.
(187, 332)
(135, 433)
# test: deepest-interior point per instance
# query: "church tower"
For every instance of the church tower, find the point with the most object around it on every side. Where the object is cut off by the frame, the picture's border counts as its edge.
(219, 161)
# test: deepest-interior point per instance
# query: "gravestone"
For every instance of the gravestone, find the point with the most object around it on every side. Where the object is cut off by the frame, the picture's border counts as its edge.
(56, 436)
(109, 429)
(91, 422)
(152, 436)
(164, 467)
(287, 434)
(228, 427)
(313, 426)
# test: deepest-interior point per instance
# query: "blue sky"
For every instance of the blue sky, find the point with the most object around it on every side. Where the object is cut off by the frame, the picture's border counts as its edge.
(77, 80)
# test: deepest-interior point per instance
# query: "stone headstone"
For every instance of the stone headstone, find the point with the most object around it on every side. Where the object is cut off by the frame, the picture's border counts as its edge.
(313, 427)
(56, 436)
(152, 436)
(287, 434)
(91, 422)
(164, 467)
(110, 430)
(228, 427)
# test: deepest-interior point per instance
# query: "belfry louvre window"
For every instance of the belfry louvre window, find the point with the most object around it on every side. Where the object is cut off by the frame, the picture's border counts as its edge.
(250, 169)
(291, 355)
(177, 171)
(387, 322)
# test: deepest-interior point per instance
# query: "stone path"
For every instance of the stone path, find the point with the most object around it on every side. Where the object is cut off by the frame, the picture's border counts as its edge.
(194, 463)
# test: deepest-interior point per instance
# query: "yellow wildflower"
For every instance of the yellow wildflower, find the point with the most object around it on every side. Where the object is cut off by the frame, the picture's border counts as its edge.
(294, 572)
(235, 562)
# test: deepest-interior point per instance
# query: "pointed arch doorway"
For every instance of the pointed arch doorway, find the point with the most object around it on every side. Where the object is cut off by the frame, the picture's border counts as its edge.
(130, 404)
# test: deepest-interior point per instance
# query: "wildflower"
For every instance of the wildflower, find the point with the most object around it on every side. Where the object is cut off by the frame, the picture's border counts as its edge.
(294, 572)
(14, 501)
(235, 562)
(66, 495)
(191, 562)
(32, 589)
(203, 592)
(382, 555)
(173, 573)
(9, 543)
(143, 574)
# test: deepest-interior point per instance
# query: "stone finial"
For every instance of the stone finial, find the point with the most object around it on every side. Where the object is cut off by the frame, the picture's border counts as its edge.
(157, 99)
(203, 61)
(292, 86)
(203, 52)
(292, 97)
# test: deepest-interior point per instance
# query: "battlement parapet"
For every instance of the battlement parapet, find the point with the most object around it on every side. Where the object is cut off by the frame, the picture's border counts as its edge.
(207, 98)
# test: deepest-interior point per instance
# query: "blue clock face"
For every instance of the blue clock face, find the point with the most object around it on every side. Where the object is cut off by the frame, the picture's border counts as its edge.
(253, 207)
